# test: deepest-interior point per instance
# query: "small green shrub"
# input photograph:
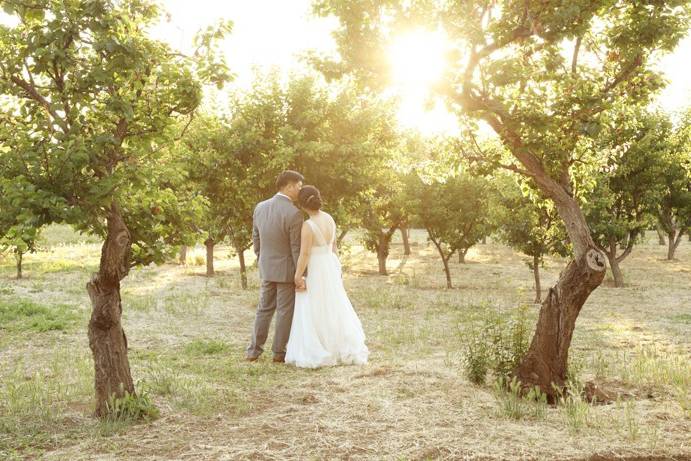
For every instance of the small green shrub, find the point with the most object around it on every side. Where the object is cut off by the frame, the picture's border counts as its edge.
(498, 343)
(476, 359)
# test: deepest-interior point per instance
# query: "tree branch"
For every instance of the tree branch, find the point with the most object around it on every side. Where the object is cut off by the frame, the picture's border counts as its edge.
(33, 94)
(574, 59)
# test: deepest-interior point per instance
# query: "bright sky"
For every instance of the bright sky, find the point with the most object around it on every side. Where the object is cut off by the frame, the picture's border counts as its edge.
(273, 33)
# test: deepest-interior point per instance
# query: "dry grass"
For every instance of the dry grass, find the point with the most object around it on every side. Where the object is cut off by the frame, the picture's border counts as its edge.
(187, 334)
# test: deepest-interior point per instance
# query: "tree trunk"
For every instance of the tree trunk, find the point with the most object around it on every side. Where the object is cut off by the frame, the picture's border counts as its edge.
(209, 257)
(671, 245)
(616, 271)
(107, 339)
(445, 259)
(382, 253)
(461, 256)
(406, 241)
(243, 268)
(484, 240)
(545, 364)
(447, 271)
(536, 275)
(19, 256)
(660, 236)
(183, 255)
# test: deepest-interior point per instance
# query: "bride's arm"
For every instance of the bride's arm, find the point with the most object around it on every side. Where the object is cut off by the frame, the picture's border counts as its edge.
(305, 247)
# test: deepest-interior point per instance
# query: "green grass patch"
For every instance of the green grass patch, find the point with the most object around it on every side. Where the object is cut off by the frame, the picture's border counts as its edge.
(63, 234)
(206, 347)
(681, 318)
(29, 316)
(34, 397)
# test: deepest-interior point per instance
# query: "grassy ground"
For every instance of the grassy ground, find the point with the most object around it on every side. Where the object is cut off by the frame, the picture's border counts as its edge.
(187, 334)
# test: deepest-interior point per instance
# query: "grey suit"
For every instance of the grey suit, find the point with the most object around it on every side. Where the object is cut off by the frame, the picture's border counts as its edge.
(276, 236)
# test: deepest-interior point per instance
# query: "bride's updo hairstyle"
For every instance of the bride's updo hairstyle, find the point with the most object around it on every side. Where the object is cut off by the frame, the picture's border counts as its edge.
(309, 198)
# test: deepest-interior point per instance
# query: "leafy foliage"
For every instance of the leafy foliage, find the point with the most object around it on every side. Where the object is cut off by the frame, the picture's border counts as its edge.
(87, 102)
(626, 189)
(497, 343)
(455, 211)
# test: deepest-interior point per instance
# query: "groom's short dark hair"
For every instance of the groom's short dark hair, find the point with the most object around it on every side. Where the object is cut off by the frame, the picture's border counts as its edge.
(287, 177)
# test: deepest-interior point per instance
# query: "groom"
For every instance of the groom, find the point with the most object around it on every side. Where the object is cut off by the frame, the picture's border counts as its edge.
(276, 236)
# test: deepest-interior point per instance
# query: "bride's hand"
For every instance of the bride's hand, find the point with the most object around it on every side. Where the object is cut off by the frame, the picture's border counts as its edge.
(300, 284)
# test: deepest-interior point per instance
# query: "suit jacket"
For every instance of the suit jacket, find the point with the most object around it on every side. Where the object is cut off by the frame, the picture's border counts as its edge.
(276, 226)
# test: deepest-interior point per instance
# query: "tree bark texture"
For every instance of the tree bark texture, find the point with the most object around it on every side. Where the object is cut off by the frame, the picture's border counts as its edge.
(107, 339)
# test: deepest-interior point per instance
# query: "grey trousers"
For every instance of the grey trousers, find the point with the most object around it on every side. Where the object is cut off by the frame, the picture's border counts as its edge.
(273, 296)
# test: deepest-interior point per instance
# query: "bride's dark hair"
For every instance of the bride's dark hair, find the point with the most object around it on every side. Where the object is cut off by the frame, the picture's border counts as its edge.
(310, 198)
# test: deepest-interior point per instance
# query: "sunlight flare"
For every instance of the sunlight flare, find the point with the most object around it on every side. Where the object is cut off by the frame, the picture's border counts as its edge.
(417, 62)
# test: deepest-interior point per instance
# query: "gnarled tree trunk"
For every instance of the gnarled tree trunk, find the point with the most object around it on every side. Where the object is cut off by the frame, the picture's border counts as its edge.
(545, 364)
(209, 243)
(107, 339)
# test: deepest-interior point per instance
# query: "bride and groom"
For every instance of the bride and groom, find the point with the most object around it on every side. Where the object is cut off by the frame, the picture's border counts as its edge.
(301, 281)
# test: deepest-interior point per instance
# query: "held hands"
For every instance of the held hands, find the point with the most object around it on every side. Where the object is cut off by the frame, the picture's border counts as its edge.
(300, 284)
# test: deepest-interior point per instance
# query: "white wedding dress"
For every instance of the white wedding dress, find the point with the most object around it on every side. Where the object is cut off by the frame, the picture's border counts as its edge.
(325, 330)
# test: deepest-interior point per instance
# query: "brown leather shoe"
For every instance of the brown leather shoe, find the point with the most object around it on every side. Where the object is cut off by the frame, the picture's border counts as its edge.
(279, 359)
(251, 359)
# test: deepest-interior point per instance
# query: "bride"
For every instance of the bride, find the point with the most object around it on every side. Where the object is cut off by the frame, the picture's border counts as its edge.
(325, 329)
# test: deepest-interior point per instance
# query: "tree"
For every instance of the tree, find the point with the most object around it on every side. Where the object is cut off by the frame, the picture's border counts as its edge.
(511, 70)
(92, 102)
(20, 218)
(202, 146)
(673, 208)
(20, 239)
(455, 212)
(340, 140)
(618, 208)
(382, 216)
(327, 133)
(530, 225)
(224, 163)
